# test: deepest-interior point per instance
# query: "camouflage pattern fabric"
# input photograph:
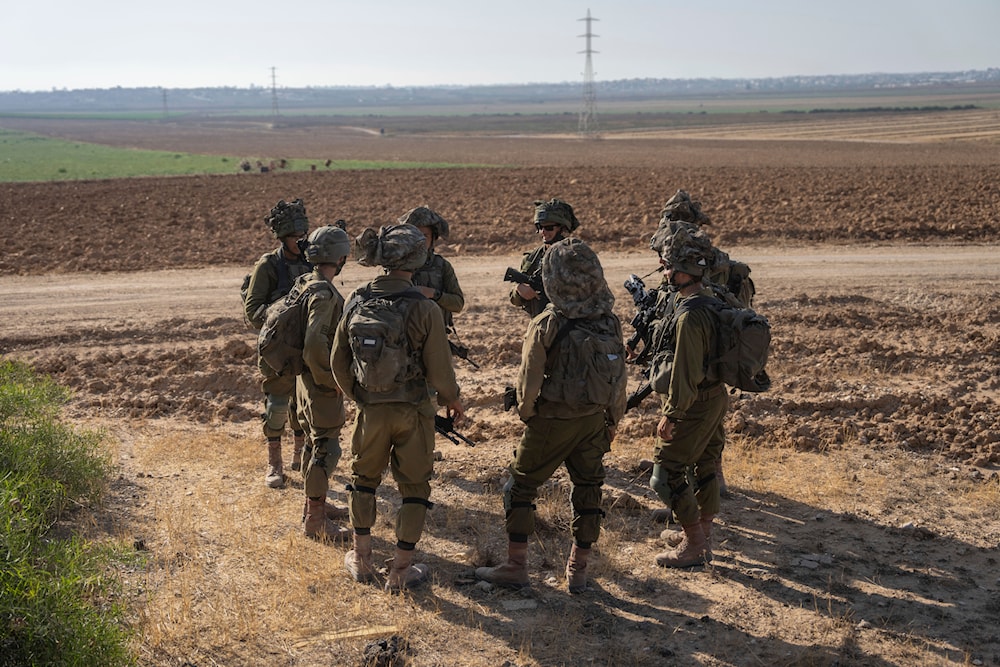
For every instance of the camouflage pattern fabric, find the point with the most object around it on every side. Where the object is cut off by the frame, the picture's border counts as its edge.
(574, 280)
(399, 247)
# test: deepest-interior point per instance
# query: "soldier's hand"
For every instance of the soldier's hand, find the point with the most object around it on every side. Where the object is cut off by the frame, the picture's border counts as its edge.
(612, 432)
(455, 410)
(526, 292)
(665, 429)
(630, 353)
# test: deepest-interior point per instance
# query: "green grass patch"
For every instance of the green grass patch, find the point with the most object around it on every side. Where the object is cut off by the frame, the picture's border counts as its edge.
(55, 594)
(30, 157)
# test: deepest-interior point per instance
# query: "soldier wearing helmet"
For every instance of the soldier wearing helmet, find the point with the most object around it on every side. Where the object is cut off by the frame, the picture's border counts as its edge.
(436, 279)
(271, 279)
(554, 220)
(320, 401)
(690, 436)
(394, 423)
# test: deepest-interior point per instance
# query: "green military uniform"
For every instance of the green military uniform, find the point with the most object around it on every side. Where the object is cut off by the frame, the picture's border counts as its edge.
(320, 401)
(438, 274)
(398, 434)
(272, 278)
(697, 408)
(557, 433)
(531, 265)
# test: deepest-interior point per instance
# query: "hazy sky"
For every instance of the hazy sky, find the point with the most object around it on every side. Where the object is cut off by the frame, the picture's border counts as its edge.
(194, 43)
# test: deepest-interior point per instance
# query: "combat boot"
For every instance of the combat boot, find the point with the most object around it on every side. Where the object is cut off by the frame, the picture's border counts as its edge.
(692, 550)
(299, 442)
(576, 569)
(513, 573)
(674, 537)
(358, 560)
(335, 511)
(403, 574)
(318, 527)
(275, 477)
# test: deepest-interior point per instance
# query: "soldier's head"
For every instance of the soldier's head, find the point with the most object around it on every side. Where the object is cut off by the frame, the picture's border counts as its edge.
(288, 223)
(574, 280)
(680, 207)
(328, 245)
(554, 219)
(430, 224)
(393, 247)
(687, 256)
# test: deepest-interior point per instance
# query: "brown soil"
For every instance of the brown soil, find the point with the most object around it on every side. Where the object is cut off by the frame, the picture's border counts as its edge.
(865, 516)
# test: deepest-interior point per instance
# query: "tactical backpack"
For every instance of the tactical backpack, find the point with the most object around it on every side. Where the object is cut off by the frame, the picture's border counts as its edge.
(282, 338)
(384, 366)
(586, 363)
(742, 344)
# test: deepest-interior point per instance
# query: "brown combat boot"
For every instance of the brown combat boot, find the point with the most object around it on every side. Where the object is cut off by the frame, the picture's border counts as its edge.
(693, 549)
(358, 560)
(275, 477)
(576, 569)
(403, 574)
(513, 573)
(335, 511)
(299, 443)
(675, 537)
(318, 527)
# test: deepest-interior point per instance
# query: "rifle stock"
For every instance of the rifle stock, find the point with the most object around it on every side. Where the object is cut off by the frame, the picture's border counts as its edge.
(446, 427)
(534, 281)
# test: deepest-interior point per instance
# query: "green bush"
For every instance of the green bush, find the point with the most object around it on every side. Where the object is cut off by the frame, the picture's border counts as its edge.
(53, 591)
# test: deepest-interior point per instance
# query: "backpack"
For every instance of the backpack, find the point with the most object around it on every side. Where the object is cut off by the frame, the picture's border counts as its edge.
(384, 366)
(586, 364)
(743, 340)
(281, 339)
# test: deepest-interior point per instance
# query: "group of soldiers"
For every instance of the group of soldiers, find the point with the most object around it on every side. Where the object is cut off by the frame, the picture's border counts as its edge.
(570, 395)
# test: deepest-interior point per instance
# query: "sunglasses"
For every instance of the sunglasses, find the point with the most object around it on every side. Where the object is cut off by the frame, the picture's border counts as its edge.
(547, 228)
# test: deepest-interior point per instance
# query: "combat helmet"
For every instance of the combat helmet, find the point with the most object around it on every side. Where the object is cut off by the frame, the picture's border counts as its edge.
(574, 280)
(681, 207)
(400, 247)
(288, 219)
(689, 250)
(555, 211)
(328, 245)
(422, 216)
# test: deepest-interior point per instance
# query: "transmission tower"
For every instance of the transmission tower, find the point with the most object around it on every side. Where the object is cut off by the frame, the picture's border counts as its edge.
(274, 95)
(588, 116)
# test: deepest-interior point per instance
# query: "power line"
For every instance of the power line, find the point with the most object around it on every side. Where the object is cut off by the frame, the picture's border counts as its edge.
(588, 116)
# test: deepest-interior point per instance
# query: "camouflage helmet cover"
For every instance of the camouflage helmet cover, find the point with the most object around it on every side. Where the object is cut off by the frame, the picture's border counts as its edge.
(690, 250)
(681, 207)
(422, 216)
(288, 219)
(574, 280)
(555, 211)
(327, 245)
(400, 247)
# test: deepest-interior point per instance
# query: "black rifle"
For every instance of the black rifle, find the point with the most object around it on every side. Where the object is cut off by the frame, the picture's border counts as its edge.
(637, 396)
(645, 302)
(509, 398)
(446, 427)
(462, 352)
(534, 280)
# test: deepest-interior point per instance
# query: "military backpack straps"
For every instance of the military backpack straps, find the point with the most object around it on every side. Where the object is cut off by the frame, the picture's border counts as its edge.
(585, 367)
(385, 367)
(282, 338)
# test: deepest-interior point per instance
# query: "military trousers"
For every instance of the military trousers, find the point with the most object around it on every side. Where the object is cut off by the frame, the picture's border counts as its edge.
(401, 436)
(579, 443)
(321, 412)
(279, 402)
(697, 444)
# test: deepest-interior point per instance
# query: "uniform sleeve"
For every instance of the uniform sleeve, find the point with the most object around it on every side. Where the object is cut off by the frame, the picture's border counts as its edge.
(262, 282)
(452, 299)
(323, 315)
(616, 410)
(426, 330)
(341, 358)
(694, 336)
(534, 353)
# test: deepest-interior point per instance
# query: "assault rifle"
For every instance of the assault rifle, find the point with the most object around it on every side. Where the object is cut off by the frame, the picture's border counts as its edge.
(509, 398)
(446, 427)
(637, 396)
(534, 280)
(645, 302)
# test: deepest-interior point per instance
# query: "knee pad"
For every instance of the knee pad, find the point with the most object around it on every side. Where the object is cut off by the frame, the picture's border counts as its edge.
(275, 412)
(658, 482)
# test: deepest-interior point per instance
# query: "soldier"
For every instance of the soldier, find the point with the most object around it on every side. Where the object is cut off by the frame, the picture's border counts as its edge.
(389, 347)
(436, 279)
(570, 407)
(320, 401)
(690, 433)
(271, 279)
(554, 220)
